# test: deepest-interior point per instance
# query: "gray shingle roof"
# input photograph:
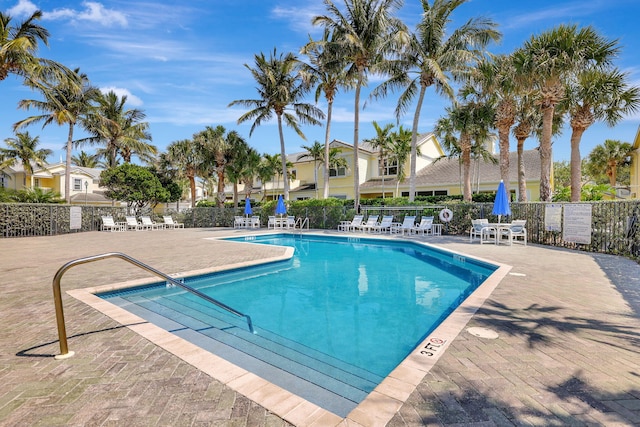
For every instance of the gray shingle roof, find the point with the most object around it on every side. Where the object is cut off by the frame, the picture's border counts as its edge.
(448, 171)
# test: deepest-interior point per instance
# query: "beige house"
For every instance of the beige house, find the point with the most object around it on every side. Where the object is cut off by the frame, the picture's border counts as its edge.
(437, 175)
(84, 186)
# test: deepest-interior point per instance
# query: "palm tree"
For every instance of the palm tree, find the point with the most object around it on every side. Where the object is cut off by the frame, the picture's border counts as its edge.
(64, 103)
(528, 118)
(315, 152)
(85, 160)
(218, 146)
(268, 169)
(326, 71)
(545, 63)
(18, 45)
(250, 169)
(187, 159)
(435, 56)
(239, 163)
(596, 95)
(280, 88)
(24, 147)
(608, 157)
(364, 34)
(381, 142)
(121, 131)
(400, 150)
(497, 82)
(463, 130)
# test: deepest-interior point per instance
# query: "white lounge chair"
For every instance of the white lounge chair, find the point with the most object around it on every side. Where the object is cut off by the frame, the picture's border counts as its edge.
(147, 223)
(170, 223)
(133, 224)
(351, 225)
(407, 225)
(516, 229)
(271, 223)
(372, 221)
(384, 225)
(425, 226)
(480, 228)
(108, 224)
(254, 221)
(291, 221)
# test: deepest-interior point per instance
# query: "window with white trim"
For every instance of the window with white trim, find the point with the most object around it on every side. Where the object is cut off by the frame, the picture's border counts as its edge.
(337, 172)
(77, 184)
(390, 167)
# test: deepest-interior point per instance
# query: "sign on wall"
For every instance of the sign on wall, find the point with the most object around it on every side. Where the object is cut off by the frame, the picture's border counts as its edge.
(553, 217)
(577, 223)
(75, 218)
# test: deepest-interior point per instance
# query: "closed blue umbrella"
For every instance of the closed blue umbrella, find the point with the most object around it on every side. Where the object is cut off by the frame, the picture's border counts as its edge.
(247, 207)
(501, 203)
(281, 209)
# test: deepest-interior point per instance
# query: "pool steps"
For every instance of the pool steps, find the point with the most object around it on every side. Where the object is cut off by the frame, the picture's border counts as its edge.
(311, 374)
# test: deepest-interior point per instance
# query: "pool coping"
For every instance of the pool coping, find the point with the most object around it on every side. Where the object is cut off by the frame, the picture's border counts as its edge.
(377, 408)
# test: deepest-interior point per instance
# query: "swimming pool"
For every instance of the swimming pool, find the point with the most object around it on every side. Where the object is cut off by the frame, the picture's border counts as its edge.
(331, 322)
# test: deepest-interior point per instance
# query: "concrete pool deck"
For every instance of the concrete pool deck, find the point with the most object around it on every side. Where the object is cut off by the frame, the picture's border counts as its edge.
(567, 352)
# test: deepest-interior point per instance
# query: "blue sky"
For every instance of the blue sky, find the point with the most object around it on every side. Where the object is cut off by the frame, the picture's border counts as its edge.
(182, 63)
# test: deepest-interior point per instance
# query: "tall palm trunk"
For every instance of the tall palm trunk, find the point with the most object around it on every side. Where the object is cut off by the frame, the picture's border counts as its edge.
(545, 152)
(285, 177)
(356, 151)
(522, 183)
(414, 144)
(192, 186)
(506, 119)
(220, 173)
(67, 171)
(326, 149)
(612, 168)
(465, 146)
(576, 170)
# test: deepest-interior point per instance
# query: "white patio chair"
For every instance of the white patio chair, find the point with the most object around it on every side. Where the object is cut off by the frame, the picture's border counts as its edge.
(271, 223)
(254, 221)
(384, 225)
(407, 225)
(351, 225)
(108, 224)
(149, 224)
(480, 228)
(133, 224)
(516, 229)
(372, 221)
(170, 223)
(425, 227)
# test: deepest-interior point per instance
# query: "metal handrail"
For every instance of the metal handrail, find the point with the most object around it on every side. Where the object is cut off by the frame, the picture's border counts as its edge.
(300, 223)
(57, 294)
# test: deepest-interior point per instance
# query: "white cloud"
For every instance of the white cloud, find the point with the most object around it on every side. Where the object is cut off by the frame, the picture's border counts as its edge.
(131, 98)
(300, 17)
(23, 8)
(93, 12)
(569, 11)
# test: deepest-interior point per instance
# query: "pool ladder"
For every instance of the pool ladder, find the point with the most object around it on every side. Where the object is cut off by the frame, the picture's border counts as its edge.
(57, 294)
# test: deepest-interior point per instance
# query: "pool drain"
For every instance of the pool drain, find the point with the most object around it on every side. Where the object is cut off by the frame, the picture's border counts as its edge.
(483, 333)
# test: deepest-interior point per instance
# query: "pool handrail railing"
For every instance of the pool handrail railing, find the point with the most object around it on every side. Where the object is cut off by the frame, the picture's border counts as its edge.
(57, 294)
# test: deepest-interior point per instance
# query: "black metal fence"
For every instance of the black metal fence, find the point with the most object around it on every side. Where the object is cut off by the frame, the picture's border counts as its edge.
(615, 225)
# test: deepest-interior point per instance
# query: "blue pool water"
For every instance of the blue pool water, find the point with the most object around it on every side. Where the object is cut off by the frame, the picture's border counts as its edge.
(341, 314)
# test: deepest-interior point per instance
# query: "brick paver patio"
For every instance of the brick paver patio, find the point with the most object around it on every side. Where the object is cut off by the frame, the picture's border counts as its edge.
(567, 352)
